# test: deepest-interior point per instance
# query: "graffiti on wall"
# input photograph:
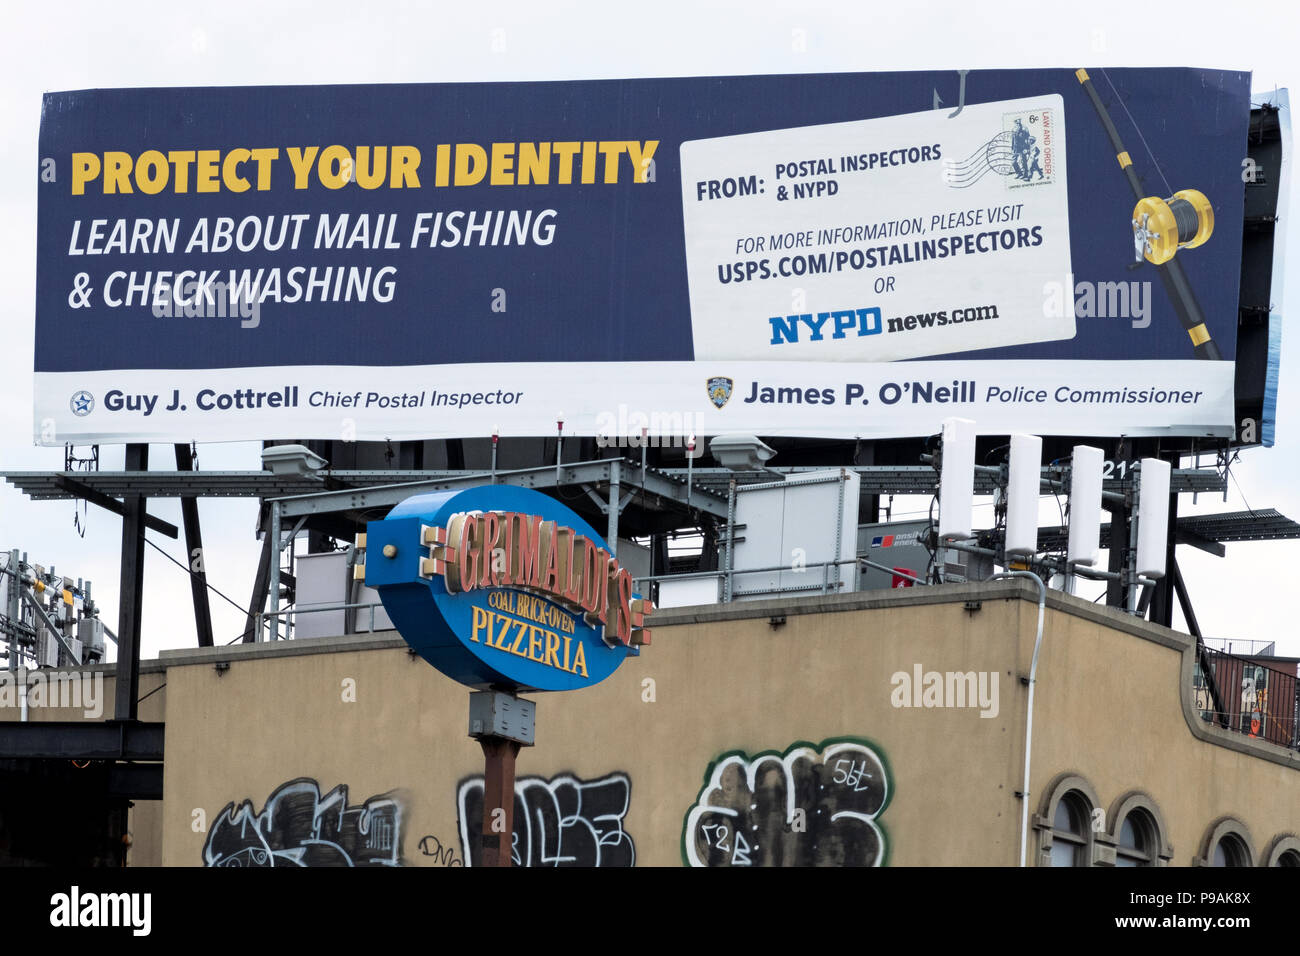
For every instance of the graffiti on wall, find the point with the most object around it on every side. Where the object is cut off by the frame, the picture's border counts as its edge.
(442, 855)
(299, 827)
(1254, 700)
(814, 805)
(563, 821)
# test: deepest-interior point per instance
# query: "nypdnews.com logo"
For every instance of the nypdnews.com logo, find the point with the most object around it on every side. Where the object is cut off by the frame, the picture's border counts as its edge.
(76, 909)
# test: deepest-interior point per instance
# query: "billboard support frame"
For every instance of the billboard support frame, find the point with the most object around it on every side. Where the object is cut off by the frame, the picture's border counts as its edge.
(131, 593)
(194, 544)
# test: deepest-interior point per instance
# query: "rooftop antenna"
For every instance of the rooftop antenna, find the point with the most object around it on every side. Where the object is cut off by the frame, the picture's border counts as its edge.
(1153, 520)
(1024, 472)
(956, 484)
(1084, 541)
(957, 479)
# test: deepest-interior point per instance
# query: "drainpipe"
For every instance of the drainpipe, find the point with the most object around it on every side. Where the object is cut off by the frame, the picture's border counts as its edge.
(1029, 717)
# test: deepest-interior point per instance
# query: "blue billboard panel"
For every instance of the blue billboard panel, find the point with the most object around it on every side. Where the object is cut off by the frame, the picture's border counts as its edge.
(820, 255)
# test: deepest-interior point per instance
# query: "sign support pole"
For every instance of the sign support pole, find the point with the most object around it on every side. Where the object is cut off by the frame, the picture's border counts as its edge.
(501, 723)
(498, 799)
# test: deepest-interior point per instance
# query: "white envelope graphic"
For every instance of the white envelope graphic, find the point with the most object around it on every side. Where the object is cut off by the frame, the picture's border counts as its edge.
(884, 239)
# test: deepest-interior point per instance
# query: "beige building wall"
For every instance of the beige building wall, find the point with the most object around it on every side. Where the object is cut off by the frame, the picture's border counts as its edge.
(1111, 706)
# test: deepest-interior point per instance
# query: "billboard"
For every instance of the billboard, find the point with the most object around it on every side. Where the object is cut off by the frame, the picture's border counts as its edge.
(846, 256)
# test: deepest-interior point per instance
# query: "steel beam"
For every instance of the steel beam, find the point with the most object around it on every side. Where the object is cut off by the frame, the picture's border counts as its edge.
(615, 506)
(876, 479)
(131, 592)
(577, 473)
(1194, 628)
(261, 581)
(922, 479)
(78, 489)
(193, 543)
(1162, 599)
(1121, 515)
(12, 592)
(136, 781)
(410, 455)
(81, 740)
(273, 579)
(1184, 536)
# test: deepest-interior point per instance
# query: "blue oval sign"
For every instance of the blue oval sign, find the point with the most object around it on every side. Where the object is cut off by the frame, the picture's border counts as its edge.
(498, 586)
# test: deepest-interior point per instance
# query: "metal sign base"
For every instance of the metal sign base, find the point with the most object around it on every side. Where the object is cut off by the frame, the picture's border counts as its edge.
(501, 723)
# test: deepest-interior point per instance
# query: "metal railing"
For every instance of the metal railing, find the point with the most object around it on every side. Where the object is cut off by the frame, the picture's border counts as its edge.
(1242, 648)
(727, 576)
(1257, 700)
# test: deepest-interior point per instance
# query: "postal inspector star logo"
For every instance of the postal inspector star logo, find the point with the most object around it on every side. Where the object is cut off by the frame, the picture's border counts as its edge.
(720, 390)
(82, 403)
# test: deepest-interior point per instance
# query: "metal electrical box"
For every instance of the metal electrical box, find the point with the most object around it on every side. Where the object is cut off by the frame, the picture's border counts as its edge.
(894, 544)
(901, 545)
(325, 580)
(794, 534)
(90, 632)
(322, 581)
(47, 649)
(496, 714)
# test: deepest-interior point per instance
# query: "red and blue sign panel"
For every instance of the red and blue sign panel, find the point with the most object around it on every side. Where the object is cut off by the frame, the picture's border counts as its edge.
(503, 587)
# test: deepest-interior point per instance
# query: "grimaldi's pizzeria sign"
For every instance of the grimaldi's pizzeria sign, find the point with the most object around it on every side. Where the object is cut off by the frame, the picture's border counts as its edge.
(503, 587)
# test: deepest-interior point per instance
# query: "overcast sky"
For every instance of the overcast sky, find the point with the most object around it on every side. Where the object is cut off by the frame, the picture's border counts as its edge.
(71, 45)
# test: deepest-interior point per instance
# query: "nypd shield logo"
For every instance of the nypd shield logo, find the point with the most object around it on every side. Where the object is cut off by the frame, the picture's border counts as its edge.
(720, 390)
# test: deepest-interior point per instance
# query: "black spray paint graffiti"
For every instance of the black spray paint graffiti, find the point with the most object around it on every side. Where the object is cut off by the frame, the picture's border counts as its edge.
(442, 856)
(558, 822)
(299, 827)
(814, 805)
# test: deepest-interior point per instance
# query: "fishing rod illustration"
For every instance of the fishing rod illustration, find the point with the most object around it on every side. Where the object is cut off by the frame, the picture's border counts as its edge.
(1163, 226)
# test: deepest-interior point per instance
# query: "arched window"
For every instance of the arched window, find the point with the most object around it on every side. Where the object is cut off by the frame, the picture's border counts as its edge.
(1136, 846)
(1230, 851)
(1137, 833)
(1283, 851)
(1070, 831)
(1227, 843)
(1064, 822)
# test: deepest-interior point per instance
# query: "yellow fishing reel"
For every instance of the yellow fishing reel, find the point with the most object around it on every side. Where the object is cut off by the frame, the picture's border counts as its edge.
(1163, 226)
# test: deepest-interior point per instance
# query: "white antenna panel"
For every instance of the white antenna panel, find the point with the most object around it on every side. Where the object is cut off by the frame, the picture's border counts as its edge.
(1023, 480)
(1153, 517)
(957, 480)
(1085, 505)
